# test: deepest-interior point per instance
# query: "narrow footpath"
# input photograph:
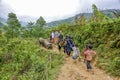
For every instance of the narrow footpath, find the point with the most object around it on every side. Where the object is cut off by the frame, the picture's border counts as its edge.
(77, 71)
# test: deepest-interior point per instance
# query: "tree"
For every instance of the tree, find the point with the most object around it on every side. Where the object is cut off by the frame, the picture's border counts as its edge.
(76, 20)
(39, 28)
(30, 27)
(97, 15)
(82, 20)
(95, 10)
(40, 22)
(13, 26)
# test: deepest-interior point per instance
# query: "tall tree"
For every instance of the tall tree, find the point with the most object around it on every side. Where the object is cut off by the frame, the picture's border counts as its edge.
(76, 20)
(39, 28)
(82, 20)
(97, 15)
(95, 10)
(40, 22)
(13, 25)
(30, 27)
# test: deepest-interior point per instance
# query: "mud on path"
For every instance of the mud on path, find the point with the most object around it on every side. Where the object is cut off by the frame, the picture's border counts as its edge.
(77, 71)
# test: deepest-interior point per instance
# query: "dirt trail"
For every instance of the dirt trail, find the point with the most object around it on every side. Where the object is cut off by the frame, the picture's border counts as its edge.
(77, 71)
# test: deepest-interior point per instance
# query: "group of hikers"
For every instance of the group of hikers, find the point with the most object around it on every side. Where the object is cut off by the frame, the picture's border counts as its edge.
(69, 46)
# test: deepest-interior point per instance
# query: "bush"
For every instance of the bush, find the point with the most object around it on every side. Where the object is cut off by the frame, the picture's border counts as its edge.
(23, 59)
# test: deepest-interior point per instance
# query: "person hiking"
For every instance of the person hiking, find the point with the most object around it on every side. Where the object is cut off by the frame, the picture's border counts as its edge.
(64, 46)
(60, 37)
(76, 52)
(56, 35)
(68, 47)
(71, 41)
(89, 53)
(52, 37)
(60, 41)
(85, 49)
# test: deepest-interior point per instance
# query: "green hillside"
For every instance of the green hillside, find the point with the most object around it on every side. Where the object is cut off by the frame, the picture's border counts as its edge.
(22, 58)
(103, 33)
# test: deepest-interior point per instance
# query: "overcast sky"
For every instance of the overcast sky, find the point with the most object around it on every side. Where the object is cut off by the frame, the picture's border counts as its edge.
(53, 9)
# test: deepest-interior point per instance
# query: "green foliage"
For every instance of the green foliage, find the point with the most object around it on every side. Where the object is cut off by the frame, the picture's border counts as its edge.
(3, 39)
(14, 29)
(40, 22)
(35, 30)
(80, 21)
(98, 16)
(23, 59)
(30, 25)
(95, 10)
(103, 34)
(13, 26)
(1, 24)
(114, 67)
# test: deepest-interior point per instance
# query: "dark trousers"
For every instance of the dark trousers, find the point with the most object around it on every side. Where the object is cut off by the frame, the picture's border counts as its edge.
(68, 53)
(59, 47)
(88, 65)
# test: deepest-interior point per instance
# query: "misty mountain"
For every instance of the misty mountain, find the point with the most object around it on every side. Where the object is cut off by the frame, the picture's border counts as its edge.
(22, 19)
(70, 20)
(112, 13)
(1, 24)
(2, 20)
(25, 19)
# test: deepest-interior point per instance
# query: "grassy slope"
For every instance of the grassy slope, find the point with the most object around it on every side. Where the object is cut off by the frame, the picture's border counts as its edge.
(23, 59)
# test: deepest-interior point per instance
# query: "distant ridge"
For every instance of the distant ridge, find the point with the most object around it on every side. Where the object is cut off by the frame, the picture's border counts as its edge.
(2, 20)
(112, 13)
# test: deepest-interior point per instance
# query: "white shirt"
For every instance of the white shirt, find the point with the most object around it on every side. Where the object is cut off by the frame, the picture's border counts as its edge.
(52, 35)
(76, 51)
